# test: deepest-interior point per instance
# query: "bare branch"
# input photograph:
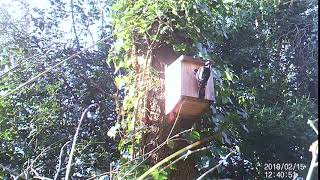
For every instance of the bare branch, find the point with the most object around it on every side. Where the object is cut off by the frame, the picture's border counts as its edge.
(60, 160)
(215, 167)
(75, 140)
(174, 155)
(312, 124)
(314, 150)
(183, 157)
(10, 171)
(31, 80)
(74, 25)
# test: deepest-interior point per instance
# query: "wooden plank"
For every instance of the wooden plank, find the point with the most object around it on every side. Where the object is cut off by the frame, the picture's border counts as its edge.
(191, 107)
(197, 61)
(172, 86)
(188, 79)
(190, 83)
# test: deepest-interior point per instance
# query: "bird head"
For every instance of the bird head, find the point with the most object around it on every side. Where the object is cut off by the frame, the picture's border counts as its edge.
(195, 71)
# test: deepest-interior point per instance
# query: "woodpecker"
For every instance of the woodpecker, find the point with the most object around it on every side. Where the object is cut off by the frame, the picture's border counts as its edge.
(202, 76)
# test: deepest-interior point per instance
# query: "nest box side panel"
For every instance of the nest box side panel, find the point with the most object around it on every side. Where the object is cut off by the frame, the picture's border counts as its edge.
(172, 86)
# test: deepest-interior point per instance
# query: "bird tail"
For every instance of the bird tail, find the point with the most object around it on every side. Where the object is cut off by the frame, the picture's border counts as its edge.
(201, 92)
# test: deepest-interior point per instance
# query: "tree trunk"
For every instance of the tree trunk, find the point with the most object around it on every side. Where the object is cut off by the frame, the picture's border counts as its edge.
(159, 125)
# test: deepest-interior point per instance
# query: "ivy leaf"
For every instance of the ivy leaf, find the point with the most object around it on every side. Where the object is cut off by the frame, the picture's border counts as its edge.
(237, 148)
(224, 99)
(6, 135)
(218, 137)
(245, 128)
(121, 145)
(192, 136)
(204, 162)
(171, 144)
(156, 174)
(174, 11)
(119, 82)
(179, 47)
(164, 29)
(228, 75)
(225, 138)
(105, 177)
(113, 130)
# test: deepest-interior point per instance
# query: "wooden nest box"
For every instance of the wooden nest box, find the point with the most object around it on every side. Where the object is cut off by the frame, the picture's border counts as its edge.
(182, 89)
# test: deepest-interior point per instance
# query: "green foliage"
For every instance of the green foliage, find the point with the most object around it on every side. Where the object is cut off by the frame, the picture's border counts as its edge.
(265, 71)
(192, 136)
(37, 120)
(280, 132)
(254, 50)
(6, 134)
(159, 175)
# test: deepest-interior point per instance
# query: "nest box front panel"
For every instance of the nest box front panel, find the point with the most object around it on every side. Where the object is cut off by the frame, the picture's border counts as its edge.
(189, 82)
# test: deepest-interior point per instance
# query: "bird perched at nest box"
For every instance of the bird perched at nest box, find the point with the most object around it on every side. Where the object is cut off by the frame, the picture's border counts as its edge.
(202, 75)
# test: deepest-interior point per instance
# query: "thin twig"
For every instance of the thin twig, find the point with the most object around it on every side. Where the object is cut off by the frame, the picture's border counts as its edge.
(34, 172)
(183, 157)
(314, 150)
(38, 156)
(215, 167)
(51, 68)
(60, 160)
(74, 25)
(21, 61)
(152, 151)
(10, 171)
(75, 140)
(174, 155)
(175, 120)
(311, 123)
(158, 147)
(41, 178)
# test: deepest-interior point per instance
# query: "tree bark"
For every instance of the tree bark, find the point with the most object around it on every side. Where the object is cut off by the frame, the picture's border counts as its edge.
(158, 122)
